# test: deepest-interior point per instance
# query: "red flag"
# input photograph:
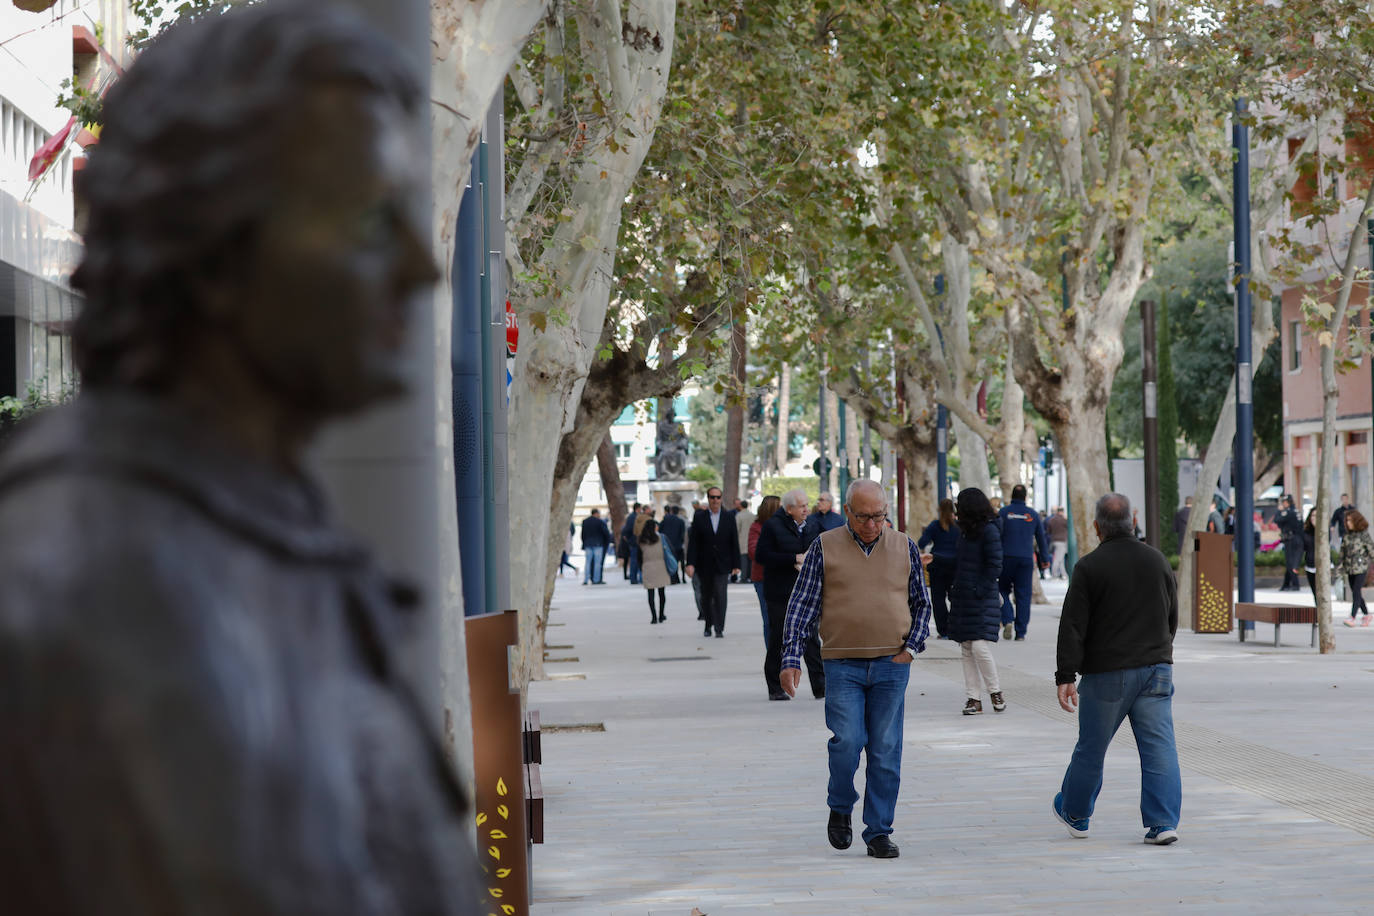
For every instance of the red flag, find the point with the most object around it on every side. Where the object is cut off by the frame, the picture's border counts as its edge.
(48, 152)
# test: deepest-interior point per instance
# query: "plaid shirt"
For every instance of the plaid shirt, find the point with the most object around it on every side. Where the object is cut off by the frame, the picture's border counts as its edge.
(804, 607)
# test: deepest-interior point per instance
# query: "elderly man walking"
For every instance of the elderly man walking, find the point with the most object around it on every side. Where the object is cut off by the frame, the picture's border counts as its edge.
(862, 588)
(1117, 629)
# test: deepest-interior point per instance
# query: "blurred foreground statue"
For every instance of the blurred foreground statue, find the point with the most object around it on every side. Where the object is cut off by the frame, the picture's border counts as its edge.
(201, 708)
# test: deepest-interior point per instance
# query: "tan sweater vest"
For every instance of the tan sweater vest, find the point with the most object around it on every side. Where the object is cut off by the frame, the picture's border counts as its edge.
(865, 606)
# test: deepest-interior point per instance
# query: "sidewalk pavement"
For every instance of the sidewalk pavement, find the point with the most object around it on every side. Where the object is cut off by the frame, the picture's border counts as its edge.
(702, 793)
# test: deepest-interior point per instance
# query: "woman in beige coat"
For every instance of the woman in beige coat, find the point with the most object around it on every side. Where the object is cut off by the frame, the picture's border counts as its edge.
(654, 568)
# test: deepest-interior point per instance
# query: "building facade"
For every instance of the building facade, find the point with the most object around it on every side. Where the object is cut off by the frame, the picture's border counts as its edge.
(41, 155)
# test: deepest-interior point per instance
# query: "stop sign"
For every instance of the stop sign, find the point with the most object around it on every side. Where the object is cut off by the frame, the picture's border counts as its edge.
(512, 330)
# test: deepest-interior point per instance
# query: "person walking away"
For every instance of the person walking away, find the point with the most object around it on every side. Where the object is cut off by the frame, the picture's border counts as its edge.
(769, 505)
(596, 537)
(1309, 550)
(653, 555)
(942, 537)
(780, 550)
(1290, 534)
(1057, 529)
(1181, 525)
(673, 530)
(1215, 523)
(1023, 541)
(1117, 630)
(862, 589)
(743, 519)
(567, 549)
(1337, 524)
(975, 608)
(1356, 550)
(625, 548)
(713, 553)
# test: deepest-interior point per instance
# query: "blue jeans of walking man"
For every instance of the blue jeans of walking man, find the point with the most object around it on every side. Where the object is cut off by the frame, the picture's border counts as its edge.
(1016, 577)
(1143, 695)
(865, 699)
(596, 558)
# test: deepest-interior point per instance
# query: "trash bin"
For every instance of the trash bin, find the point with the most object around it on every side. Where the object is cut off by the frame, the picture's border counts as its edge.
(1212, 582)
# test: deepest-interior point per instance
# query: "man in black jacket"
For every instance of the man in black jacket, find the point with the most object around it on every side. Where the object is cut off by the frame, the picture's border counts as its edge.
(596, 537)
(1290, 533)
(713, 554)
(781, 546)
(1117, 629)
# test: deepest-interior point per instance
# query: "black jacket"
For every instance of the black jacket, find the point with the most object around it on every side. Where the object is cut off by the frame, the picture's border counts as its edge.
(674, 528)
(777, 549)
(1121, 611)
(713, 552)
(595, 533)
(1289, 525)
(975, 605)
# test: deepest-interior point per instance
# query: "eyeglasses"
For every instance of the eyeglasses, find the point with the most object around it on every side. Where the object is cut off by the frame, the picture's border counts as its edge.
(877, 519)
(709, 496)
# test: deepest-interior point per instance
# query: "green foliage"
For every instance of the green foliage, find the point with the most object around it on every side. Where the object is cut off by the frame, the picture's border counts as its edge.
(704, 474)
(36, 399)
(1168, 429)
(776, 486)
(156, 16)
(1192, 276)
(82, 102)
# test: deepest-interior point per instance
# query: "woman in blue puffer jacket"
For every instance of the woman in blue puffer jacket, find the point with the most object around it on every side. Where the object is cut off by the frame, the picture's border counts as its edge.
(975, 606)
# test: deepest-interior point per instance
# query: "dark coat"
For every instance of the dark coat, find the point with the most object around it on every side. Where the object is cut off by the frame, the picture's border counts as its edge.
(818, 524)
(975, 605)
(777, 549)
(713, 553)
(674, 529)
(595, 533)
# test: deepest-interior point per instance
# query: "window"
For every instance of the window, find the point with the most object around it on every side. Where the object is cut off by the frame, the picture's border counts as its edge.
(622, 451)
(1294, 346)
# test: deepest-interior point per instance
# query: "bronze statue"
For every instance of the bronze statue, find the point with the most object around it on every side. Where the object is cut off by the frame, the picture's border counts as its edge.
(671, 459)
(201, 705)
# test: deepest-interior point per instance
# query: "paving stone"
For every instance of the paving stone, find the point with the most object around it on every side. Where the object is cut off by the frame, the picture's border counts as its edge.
(703, 793)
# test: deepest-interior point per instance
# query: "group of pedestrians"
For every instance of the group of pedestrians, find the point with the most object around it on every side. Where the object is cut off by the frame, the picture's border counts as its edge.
(861, 590)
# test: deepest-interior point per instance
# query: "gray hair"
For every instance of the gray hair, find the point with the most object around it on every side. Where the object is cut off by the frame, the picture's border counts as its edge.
(1113, 516)
(794, 497)
(862, 483)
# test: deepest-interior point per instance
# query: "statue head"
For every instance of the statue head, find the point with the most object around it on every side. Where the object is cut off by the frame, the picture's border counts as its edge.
(251, 198)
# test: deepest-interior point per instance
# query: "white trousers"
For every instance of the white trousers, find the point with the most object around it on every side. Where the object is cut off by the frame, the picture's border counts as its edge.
(979, 668)
(1060, 550)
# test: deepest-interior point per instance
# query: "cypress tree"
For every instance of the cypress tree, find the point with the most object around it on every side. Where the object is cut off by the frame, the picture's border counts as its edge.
(1168, 431)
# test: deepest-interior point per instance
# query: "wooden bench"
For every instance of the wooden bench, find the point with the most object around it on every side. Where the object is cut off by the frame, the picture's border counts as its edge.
(1276, 614)
(534, 786)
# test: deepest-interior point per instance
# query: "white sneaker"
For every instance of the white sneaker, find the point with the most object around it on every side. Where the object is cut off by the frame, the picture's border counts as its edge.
(1161, 836)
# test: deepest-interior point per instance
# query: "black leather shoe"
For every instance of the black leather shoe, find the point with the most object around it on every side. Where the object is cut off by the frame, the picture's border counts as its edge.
(882, 847)
(778, 696)
(706, 632)
(838, 831)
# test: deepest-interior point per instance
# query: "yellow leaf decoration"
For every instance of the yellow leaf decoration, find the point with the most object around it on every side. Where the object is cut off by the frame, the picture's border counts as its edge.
(508, 909)
(501, 787)
(498, 835)
(494, 852)
(501, 810)
(503, 872)
(495, 892)
(481, 818)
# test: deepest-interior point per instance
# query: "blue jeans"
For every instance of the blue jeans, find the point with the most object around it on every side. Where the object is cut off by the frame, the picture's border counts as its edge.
(634, 565)
(1016, 574)
(763, 609)
(596, 558)
(865, 702)
(1144, 696)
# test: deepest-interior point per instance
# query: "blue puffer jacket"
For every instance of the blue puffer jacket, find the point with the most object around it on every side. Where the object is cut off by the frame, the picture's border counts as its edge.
(975, 606)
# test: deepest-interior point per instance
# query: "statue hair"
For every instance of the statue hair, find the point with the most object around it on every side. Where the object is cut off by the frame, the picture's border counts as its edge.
(187, 165)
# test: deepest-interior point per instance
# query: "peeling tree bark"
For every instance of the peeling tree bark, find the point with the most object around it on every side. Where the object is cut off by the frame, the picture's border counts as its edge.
(474, 44)
(550, 372)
